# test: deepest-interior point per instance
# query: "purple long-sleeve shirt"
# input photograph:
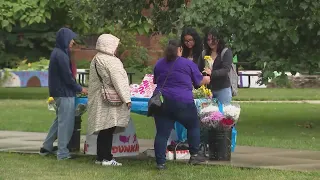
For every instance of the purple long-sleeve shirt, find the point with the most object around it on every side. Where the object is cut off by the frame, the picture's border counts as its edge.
(184, 75)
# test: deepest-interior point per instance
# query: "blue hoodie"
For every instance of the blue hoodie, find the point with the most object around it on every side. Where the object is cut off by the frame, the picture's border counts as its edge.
(61, 80)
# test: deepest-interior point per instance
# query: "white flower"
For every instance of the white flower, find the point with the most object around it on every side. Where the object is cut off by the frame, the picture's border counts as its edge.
(209, 109)
(232, 111)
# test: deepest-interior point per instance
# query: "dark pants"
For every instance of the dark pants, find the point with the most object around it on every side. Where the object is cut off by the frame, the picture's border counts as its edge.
(104, 144)
(184, 113)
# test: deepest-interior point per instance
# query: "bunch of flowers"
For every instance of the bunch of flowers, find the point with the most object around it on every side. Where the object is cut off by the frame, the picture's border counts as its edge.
(202, 92)
(51, 104)
(232, 111)
(211, 117)
(208, 62)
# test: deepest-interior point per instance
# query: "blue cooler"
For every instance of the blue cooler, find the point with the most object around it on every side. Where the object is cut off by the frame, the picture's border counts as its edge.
(80, 100)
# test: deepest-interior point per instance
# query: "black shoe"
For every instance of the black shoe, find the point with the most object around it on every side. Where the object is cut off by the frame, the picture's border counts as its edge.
(44, 152)
(197, 159)
(161, 166)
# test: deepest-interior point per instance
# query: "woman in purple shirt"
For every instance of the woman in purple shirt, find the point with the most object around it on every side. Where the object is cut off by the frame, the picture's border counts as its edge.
(178, 104)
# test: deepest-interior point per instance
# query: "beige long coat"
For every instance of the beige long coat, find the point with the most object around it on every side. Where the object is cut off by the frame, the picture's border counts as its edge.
(101, 115)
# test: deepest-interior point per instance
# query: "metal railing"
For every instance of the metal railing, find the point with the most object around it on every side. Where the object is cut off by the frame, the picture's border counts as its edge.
(83, 75)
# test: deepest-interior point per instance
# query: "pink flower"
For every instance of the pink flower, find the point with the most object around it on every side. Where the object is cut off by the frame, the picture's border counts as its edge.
(216, 116)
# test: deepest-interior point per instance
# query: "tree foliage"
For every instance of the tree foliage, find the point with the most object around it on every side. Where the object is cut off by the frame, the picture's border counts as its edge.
(165, 16)
(276, 35)
(25, 12)
(28, 28)
(281, 35)
(94, 16)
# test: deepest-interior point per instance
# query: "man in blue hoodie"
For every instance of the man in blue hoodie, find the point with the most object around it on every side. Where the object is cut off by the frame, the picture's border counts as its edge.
(63, 88)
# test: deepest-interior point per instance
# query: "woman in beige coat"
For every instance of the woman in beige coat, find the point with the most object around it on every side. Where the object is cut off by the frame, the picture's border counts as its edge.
(105, 119)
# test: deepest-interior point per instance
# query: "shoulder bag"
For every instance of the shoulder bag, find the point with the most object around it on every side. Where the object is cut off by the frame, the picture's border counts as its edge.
(109, 95)
(156, 101)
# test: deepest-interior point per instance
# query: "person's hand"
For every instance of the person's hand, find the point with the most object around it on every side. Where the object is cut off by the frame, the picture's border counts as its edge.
(206, 79)
(129, 105)
(84, 91)
(208, 71)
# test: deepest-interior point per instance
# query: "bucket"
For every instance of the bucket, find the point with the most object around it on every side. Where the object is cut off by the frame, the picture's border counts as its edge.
(80, 100)
(219, 144)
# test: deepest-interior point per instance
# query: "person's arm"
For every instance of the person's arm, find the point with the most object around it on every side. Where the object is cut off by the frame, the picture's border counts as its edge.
(197, 78)
(226, 65)
(120, 81)
(66, 74)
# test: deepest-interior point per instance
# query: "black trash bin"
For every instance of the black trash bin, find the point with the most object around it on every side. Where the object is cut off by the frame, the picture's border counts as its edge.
(74, 144)
(219, 141)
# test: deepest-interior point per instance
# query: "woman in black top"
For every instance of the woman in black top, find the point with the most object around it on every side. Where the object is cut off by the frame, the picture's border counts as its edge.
(191, 44)
(220, 82)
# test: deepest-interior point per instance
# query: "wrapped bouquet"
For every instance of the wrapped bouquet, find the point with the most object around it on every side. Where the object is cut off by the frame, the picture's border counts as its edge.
(211, 117)
(202, 92)
(208, 62)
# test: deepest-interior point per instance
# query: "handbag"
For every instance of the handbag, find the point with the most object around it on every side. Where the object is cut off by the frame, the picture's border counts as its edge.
(109, 95)
(156, 101)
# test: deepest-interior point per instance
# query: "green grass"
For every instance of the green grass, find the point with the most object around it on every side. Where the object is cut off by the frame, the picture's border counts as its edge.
(17, 166)
(261, 94)
(282, 125)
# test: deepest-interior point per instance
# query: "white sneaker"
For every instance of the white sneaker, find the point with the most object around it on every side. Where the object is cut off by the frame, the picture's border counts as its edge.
(111, 163)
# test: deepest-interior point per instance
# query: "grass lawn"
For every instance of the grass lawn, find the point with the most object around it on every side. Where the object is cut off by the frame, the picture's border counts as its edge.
(282, 125)
(17, 166)
(261, 94)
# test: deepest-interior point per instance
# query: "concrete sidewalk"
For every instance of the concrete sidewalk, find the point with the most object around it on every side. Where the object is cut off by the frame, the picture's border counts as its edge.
(249, 157)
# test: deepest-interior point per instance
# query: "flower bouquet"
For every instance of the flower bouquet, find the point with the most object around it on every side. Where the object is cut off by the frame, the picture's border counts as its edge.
(211, 117)
(51, 104)
(208, 62)
(202, 92)
(216, 129)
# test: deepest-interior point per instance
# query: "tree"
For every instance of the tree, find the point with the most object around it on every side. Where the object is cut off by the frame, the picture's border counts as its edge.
(281, 35)
(95, 16)
(28, 28)
(98, 15)
(23, 12)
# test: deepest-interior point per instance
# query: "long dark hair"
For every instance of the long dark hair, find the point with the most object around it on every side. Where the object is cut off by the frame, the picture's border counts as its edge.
(197, 48)
(171, 50)
(221, 44)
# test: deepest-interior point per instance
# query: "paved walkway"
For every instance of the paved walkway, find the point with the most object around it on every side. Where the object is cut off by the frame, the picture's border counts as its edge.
(250, 157)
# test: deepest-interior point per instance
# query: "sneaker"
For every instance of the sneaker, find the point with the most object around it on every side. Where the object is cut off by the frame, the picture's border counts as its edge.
(110, 163)
(197, 159)
(161, 166)
(44, 152)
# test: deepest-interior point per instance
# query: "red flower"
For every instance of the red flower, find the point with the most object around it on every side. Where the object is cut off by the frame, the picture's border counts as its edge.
(227, 122)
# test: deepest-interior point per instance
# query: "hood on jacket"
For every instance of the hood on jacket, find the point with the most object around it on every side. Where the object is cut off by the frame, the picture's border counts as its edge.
(63, 38)
(107, 43)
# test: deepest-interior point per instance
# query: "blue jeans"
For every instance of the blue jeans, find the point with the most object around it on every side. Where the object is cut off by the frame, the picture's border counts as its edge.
(62, 127)
(224, 96)
(184, 113)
